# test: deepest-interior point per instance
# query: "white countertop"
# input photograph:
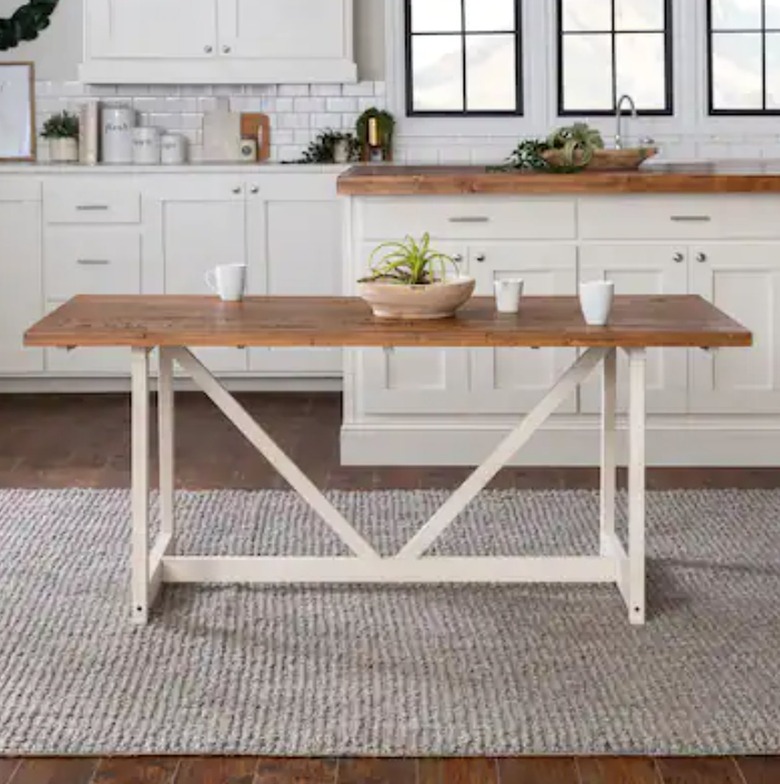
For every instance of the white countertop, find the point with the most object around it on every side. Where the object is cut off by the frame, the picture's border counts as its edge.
(211, 168)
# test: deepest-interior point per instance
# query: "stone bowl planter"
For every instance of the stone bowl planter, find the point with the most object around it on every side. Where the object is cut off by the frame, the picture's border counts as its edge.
(417, 302)
(63, 150)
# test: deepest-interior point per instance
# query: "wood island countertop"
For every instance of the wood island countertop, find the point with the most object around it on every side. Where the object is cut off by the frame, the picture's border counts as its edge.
(743, 176)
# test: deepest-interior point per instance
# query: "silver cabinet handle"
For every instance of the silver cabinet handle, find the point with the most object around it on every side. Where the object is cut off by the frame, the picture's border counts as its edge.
(208, 49)
(701, 258)
(458, 258)
(470, 219)
(254, 189)
(691, 218)
(679, 258)
(237, 190)
(226, 49)
(481, 258)
(92, 207)
(93, 262)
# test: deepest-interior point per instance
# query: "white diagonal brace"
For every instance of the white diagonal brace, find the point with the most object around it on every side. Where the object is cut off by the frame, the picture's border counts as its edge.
(505, 451)
(255, 434)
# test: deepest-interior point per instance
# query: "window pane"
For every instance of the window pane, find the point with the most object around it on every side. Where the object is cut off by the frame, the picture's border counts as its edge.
(587, 73)
(436, 16)
(639, 14)
(736, 71)
(491, 73)
(587, 15)
(641, 69)
(437, 73)
(492, 16)
(773, 14)
(773, 71)
(736, 14)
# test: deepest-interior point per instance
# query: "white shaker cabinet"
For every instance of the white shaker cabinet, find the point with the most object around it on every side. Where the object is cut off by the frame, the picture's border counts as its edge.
(217, 41)
(20, 274)
(510, 380)
(642, 269)
(295, 228)
(193, 225)
(744, 281)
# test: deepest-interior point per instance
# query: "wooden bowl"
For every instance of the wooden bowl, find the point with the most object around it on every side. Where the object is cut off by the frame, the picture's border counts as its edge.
(433, 301)
(608, 160)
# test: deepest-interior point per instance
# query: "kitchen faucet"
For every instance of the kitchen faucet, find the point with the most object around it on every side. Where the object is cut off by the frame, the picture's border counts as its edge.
(619, 118)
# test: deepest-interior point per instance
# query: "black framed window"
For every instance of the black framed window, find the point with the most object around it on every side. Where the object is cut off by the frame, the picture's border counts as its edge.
(463, 57)
(607, 48)
(744, 63)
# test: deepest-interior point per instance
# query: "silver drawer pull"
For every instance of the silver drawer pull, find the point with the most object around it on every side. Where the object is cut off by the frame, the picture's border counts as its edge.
(92, 207)
(470, 219)
(93, 262)
(691, 218)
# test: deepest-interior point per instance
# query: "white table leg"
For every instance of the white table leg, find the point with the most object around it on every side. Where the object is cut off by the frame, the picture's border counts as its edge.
(166, 427)
(140, 484)
(608, 455)
(636, 487)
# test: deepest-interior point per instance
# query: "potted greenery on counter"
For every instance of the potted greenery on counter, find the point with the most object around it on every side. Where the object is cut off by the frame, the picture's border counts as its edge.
(412, 280)
(62, 132)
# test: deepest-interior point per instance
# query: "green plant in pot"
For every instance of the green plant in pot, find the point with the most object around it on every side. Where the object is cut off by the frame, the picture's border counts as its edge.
(62, 132)
(412, 280)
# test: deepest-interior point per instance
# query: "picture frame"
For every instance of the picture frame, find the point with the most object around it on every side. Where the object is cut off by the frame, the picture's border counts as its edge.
(17, 112)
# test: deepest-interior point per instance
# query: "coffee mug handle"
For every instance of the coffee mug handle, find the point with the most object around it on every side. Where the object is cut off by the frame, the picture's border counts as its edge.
(211, 280)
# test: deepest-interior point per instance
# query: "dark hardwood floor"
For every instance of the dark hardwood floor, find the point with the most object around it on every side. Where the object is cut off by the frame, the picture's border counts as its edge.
(83, 441)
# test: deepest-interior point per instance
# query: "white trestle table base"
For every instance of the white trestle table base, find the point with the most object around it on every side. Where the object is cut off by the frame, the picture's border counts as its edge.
(616, 564)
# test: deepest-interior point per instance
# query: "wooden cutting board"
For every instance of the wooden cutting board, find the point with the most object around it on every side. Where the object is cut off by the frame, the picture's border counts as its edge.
(258, 126)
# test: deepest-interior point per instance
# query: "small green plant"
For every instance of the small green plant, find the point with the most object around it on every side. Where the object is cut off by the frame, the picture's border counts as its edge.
(409, 263)
(323, 148)
(61, 126)
(386, 124)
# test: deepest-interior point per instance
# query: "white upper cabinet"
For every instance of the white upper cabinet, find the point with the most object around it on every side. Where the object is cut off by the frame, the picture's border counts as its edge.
(118, 29)
(218, 41)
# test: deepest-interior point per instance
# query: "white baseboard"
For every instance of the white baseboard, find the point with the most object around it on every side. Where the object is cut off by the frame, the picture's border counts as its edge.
(376, 445)
(75, 385)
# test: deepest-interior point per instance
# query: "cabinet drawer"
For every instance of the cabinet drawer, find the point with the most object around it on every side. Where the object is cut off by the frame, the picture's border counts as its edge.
(474, 217)
(81, 200)
(679, 217)
(91, 261)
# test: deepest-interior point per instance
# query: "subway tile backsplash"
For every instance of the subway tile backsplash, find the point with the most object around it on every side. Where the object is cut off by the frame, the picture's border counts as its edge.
(299, 112)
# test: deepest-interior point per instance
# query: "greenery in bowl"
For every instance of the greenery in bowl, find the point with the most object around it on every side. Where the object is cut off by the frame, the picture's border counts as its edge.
(61, 126)
(568, 149)
(323, 148)
(409, 263)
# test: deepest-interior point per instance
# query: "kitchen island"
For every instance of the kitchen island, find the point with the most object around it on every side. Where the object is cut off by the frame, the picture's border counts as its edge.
(707, 229)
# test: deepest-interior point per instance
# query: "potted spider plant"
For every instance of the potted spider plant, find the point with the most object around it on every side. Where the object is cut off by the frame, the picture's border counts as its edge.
(62, 132)
(412, 280)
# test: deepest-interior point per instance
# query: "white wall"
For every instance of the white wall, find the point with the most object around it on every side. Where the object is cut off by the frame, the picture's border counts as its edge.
(57, 51)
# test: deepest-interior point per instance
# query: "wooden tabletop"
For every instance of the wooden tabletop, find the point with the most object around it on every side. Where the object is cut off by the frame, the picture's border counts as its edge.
(709, 177)
(319, 321)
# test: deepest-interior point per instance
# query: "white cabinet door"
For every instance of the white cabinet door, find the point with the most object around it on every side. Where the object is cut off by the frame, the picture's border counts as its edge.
(294, 29)
(117, 29)
(642, 269)
(415, 380)
(196, 227)
(744, 282)
(513, 380)
(20, 290)
(295, 250)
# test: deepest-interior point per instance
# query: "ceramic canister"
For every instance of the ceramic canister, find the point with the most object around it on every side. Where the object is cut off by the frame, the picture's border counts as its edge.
(117, 123)
(173, 149)
(146, 146)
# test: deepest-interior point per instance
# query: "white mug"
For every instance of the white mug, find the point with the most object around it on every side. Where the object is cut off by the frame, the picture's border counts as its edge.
(509, 291)
(228, 282)
(596, 298)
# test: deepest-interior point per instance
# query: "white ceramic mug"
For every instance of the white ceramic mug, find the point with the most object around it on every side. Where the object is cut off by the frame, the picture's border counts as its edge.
(228, 282)
(596, 298)
(509, 291)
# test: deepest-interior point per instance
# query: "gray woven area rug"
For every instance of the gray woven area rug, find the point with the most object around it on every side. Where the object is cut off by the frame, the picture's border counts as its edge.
(389, 671)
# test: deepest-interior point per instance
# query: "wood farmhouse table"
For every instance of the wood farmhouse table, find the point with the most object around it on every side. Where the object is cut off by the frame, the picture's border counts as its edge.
(173, 325)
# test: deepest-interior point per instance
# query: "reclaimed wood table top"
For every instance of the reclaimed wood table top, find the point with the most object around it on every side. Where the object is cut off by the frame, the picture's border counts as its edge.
(195, 321)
